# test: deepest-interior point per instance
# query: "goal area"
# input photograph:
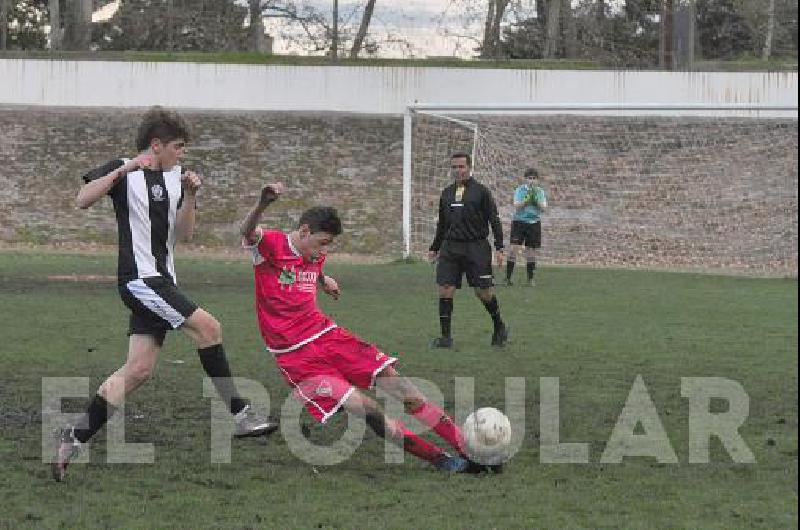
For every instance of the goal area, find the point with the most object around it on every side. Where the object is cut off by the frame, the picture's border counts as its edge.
(693, 187)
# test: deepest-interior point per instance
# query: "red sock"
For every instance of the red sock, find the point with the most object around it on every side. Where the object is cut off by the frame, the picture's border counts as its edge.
(420, 447)
(442, 424)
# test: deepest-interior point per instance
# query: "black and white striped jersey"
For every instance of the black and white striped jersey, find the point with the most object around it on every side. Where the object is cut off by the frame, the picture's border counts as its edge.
(146, 204)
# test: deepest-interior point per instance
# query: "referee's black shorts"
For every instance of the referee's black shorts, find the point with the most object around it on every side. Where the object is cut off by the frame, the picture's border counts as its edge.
(528, 234)
(473, 258)
(156, 305)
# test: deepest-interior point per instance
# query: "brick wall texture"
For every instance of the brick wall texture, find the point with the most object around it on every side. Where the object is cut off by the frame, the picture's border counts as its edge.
(651, 192)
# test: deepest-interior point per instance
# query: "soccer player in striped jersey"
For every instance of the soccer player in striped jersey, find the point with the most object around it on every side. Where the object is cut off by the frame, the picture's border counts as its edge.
(154, 202)
(327, 366)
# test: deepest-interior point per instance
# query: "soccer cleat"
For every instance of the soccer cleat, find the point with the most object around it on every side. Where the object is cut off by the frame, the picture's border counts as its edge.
(531, 282)
(497, 469)
(475, 468)
(442, 342)
(248, 424)
(509, 283)
(500, 336)
(453, 464)
(67, 447)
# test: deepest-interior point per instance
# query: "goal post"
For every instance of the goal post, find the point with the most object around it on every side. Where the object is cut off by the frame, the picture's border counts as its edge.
(661, 186)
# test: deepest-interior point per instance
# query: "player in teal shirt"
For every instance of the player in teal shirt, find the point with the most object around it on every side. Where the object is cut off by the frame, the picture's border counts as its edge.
(526, 226)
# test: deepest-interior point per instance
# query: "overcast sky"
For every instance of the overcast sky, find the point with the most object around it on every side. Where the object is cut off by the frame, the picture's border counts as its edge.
(431, 27)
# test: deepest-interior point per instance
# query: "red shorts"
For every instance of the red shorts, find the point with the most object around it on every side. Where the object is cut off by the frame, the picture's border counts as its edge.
(327, 370)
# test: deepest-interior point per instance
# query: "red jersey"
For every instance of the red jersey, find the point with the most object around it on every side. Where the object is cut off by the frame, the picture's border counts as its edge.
(286, 293)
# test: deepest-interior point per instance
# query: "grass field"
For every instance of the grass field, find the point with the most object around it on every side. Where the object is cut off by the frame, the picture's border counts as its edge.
(594, 329)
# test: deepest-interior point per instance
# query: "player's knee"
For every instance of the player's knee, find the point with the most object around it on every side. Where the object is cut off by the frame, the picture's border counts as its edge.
(484, 294)
(447, 291)
(138, 373)
(211, 331)
(412, 404)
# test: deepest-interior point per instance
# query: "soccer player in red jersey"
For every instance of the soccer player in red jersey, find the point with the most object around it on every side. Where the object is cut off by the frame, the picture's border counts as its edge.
(328, 366)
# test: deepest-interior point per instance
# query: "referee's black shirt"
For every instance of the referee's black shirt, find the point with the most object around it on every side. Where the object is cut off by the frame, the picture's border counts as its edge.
(468, 219)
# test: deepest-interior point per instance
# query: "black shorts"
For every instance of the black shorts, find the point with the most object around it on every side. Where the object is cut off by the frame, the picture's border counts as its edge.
(156, 305)
(528, 234)
(473, 258)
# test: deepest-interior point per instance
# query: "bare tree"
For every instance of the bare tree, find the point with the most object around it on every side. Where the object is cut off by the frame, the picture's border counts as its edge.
(56, 31)
(553, 19)
(668, 35)
(335, 36)
(257, 38)
(570, 30)
(491, 32)
(3, 24)
(767, 52)
(362, 29)
(78, 26)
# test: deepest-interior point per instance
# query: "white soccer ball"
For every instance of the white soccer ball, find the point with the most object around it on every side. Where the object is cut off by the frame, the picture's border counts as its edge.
(487, 436)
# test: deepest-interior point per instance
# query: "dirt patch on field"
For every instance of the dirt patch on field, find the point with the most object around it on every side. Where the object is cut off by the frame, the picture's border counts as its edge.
(93, 278)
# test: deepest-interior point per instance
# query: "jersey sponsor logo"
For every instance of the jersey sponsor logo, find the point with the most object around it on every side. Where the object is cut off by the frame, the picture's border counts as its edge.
(303, 281)
(292, 279)
(157, 192)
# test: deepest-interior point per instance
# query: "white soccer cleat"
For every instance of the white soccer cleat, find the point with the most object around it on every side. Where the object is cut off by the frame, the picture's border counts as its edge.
(249, 424)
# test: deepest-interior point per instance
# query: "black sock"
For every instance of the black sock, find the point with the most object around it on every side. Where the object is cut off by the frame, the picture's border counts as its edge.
(493, 307)
(509, 269)
(216, 366)
(96, 416)
(531, 269)
(445, 315)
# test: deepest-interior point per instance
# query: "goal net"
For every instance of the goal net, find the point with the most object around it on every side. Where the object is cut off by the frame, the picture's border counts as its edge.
(689, 187)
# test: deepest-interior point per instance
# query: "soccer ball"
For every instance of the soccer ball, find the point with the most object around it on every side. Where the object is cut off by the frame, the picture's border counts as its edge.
(487, 436)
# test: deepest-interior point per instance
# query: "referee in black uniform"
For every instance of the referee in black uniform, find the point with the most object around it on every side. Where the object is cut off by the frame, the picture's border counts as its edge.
(466, 210)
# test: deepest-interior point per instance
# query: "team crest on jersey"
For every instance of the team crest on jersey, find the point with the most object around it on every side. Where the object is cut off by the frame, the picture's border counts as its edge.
(287, 277)
(158, 192)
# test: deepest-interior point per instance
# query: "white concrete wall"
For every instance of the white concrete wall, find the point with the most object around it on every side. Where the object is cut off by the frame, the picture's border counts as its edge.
(375, 90)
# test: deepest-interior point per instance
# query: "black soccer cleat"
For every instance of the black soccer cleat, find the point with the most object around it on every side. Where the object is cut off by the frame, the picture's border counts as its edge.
(442, 342)
(475, 468)
(67, 447)
(500, 336)
(497, 469)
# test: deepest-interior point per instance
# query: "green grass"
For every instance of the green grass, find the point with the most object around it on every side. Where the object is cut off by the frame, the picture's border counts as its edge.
(739, 65)
(594, 329)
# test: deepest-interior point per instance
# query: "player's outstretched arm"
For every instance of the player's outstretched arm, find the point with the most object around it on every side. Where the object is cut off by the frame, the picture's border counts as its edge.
(184, 223)
(269, 194)
(93, 191)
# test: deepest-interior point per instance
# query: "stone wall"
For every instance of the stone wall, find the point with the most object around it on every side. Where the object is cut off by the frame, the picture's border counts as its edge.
(352, 163)
(644, 192)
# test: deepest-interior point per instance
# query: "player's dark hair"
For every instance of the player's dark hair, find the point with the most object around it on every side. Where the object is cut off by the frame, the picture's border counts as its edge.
(462, 155)
(322, 219)
(531, 173)
(158, 122)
